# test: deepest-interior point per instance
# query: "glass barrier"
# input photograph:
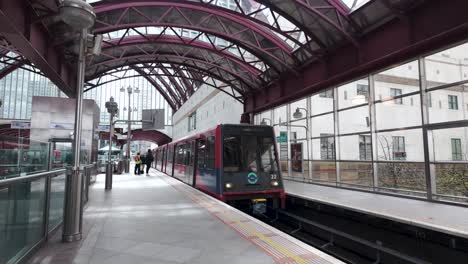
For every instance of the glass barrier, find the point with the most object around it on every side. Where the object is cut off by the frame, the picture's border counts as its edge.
(19, 156)
(22, 210)
(57, 196)
(404, 177)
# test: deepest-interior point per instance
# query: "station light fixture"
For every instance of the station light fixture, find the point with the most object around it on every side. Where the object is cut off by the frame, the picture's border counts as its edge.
(297, 114)
(77, 14)
(112, 107)
(264, 123)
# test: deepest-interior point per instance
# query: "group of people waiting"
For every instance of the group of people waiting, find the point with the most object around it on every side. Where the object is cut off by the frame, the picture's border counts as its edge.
(143, 160)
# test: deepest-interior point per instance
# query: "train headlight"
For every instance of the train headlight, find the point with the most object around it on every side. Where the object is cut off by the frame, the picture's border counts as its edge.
(274, 183)
(229, 185)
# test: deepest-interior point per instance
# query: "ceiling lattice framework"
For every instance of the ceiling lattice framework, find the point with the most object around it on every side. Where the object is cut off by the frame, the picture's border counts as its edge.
(238, 46)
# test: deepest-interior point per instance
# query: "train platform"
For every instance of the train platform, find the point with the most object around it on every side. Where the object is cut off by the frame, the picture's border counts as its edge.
(157, 219)
(449, 219)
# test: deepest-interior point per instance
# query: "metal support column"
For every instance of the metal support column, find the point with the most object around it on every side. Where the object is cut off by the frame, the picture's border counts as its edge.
(337, 132)
(110, 167)
(73, 213)
(374, 134)
(309, 136)
(129, 133)
(428, 167)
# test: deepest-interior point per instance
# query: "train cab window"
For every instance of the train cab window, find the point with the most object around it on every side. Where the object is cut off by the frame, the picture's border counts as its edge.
(249, 152)
(201, 145)
(267, 155)
(231, 154)
(210, 153)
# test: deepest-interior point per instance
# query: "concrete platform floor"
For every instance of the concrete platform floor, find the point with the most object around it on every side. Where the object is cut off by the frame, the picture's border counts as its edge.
(145, 220)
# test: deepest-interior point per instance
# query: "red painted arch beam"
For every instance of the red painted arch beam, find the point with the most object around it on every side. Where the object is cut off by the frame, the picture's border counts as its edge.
(431, 26)
(32, 41)
(161, 91)
(122, 61)
(240, 19)
(11, 68)
(174, 40)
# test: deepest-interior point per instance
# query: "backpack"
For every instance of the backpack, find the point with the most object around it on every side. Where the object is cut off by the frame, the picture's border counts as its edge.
(149, 157)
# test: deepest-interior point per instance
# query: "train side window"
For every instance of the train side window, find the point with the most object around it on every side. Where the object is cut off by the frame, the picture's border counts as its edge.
(210, 153)
(188, 154)
(231, 154)
(201, 153)
(177, 154)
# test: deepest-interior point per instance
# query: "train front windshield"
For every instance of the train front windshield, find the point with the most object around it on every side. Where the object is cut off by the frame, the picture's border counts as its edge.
(249, 153)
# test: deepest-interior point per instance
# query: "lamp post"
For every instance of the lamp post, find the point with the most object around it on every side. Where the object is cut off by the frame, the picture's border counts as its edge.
(130, 91)
(264, 123)
(112, 109)
(298, 115)
(80, 16)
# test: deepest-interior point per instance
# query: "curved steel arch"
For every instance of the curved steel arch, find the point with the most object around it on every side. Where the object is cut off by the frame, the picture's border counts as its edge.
(210, 69)
(172, 98)
(213, 20)
(161, 91)
(154, 136)
(221, 88)
(332, 22)
(190, 47)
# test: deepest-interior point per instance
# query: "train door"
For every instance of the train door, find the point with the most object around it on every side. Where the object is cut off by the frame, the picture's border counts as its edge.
(163, 161)
(200, 161)
(190, 161)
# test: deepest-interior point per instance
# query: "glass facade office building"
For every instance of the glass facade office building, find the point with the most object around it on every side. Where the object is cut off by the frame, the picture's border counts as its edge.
(403, 130)
(18, 88)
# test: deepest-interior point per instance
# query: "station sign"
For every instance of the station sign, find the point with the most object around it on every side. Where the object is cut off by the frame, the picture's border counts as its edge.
(102, 128)
(65, 126)
(283, 137)
(20, 125)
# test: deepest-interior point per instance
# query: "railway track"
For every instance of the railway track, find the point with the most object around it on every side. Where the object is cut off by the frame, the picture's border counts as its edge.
(361, 239)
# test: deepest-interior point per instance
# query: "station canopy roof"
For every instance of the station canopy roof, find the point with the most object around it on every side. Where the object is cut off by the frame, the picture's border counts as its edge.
(237, 46)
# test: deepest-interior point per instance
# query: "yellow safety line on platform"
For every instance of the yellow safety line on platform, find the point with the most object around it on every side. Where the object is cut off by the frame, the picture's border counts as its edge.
(265, 239)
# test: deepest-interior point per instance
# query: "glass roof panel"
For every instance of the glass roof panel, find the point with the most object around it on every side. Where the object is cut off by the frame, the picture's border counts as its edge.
(274, 22)
(355, 4)
(219, 43)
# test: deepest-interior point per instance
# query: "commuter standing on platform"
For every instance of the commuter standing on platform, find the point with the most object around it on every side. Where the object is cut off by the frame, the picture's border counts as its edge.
(149, 159)
(143, 162)
(137, 163)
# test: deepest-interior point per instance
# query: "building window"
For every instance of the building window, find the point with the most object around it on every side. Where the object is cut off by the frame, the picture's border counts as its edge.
(327, 147)
(453, 102)
(394, 93)
(346, 95)
(429, 99)
(327, 94)
(399, 152)
(456, 149)
(363, 89)
(192, 121)
(365, 147)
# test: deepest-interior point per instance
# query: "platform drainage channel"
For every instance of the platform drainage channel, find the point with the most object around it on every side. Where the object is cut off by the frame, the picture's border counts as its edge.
(359, 238)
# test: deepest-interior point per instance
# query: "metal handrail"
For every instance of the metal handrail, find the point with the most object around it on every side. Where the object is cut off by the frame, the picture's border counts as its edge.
(30, 177)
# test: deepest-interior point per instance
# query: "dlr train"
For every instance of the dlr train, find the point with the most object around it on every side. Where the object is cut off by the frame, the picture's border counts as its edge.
(237, 164)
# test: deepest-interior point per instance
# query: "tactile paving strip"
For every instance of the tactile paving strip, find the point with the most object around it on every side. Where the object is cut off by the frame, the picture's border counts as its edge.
(282, 248)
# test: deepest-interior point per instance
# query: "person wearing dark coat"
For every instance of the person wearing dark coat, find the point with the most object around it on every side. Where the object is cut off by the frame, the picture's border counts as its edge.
(143, 163)
(148, 159)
